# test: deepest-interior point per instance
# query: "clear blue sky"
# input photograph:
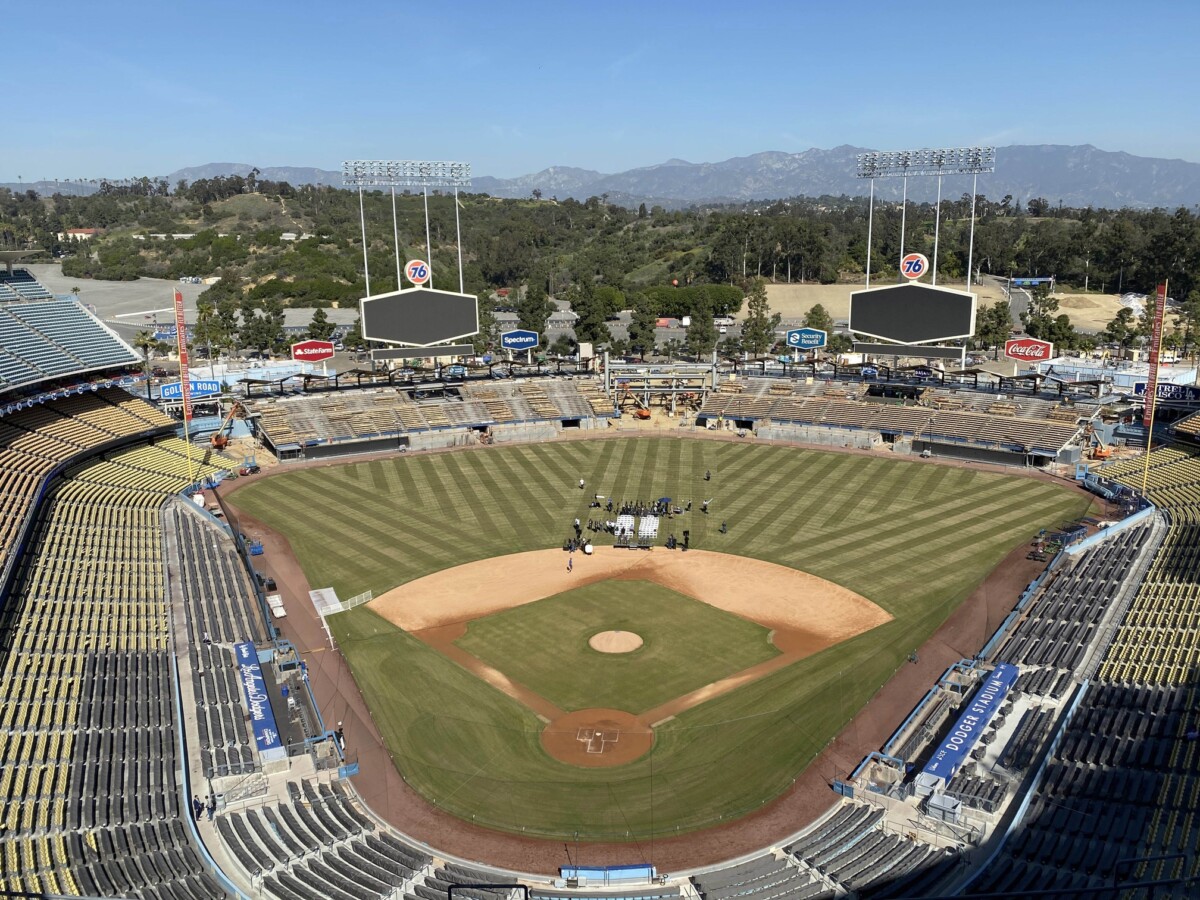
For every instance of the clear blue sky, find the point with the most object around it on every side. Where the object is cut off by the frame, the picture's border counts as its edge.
(129, 88)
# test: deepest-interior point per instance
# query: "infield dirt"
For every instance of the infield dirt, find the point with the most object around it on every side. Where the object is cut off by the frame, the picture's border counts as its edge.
(805, 614)
(807, 610)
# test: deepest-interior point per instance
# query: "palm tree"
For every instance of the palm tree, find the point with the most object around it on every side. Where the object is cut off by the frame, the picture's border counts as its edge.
(145, 341)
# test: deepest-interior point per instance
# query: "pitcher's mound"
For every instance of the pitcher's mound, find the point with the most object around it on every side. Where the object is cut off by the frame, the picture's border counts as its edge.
(615, 641)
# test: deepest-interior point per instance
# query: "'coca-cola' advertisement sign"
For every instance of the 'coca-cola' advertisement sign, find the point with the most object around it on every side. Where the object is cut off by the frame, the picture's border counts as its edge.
(1028, 349)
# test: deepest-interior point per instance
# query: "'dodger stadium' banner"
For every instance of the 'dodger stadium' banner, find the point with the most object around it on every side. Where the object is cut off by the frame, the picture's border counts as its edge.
(258, 704)
(953, 751)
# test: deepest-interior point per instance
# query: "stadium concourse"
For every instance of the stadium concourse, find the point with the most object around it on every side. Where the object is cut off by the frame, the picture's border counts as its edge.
(140, 669)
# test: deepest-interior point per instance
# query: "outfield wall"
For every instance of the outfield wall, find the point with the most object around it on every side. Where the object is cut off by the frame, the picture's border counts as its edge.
(843, 438)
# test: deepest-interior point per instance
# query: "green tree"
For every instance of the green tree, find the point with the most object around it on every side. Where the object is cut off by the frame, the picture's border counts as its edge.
(611, 300)
(220, 327)
(534, 308)
(1123, 328)
(320, 328)
(486, 338)
(618, 347)
(758, 330)
(354, 336)
(1188, 317)
(644, 324)
(701, 333)
(993, 325)
(262, 325)
(1039, 317)
(730, 347)
(818, 317)
(840, 343)
(205, 322)
(591, 325)
(564, 345)
(145, 341)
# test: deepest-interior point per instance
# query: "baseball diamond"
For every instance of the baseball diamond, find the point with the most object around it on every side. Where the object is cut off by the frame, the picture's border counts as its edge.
(759, 643)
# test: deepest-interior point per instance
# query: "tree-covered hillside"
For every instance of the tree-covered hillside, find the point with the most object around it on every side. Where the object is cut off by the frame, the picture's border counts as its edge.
(598, 255)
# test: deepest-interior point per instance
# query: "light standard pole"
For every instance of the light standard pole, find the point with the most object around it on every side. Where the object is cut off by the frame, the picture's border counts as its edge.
(395, 173)
(937, 163)
(870, 221)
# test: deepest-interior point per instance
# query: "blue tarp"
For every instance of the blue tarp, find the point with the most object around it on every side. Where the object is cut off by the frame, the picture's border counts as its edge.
(262, 719)
(952, 752)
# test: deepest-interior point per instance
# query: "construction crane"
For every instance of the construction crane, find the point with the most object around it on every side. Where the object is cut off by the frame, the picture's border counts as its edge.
(219, 439)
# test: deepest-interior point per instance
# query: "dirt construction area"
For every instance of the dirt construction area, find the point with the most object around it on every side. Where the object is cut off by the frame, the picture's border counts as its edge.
(804, 614)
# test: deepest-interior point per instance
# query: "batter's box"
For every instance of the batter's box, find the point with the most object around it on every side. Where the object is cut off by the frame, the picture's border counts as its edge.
(596, 740)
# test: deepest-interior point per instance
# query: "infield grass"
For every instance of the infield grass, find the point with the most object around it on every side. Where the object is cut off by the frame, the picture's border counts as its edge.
(686, 645)
(915, 538)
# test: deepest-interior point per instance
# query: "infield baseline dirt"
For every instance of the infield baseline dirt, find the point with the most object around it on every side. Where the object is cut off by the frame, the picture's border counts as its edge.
(805, 614)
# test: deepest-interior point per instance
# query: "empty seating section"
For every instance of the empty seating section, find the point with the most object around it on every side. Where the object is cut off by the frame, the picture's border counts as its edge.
(763, 878)
(319, 843)
(89, 796)
(222, 608)
(1059, 625)
(1188, 428)
(850, 852)
(635, 892)
(21, 285)
(47, 338)
(1124, 780)
(34, 441)
(224, 742)
(1115, 789)
(67, 325)
(381, 412)
(1020, 426)
(220, 598)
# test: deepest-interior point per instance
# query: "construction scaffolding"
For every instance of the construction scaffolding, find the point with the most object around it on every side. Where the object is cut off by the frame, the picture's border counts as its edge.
(672, 387)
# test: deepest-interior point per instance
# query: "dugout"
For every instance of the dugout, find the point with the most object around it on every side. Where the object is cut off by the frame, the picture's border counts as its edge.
(1033, 459)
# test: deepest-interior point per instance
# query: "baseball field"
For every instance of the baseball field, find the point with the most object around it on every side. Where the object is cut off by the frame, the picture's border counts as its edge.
(639, 692)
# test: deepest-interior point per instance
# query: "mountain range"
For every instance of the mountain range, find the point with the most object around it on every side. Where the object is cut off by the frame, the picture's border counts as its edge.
(1071, 175)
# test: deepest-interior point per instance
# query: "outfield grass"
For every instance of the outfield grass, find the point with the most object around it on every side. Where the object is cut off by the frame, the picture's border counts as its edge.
(915, 538)
(687, 644)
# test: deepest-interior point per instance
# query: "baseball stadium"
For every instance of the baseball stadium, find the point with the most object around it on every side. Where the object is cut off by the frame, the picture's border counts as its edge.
(599, 630)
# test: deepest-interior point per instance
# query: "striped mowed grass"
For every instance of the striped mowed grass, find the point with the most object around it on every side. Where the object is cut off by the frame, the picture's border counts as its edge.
(913, 537)
(686, 645)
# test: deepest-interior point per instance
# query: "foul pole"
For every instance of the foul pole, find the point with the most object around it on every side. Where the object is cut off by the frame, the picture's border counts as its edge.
(1160, 307)
(185, 386)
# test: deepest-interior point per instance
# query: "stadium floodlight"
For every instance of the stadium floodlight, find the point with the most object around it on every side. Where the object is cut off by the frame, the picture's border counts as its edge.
(394, 173)
(948, 161)
(405, 173)
(938, 163)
